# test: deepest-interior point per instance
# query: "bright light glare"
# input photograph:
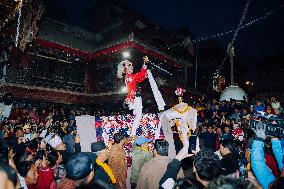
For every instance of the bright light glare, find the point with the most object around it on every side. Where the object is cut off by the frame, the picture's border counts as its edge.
(123, 89)
(126, 54)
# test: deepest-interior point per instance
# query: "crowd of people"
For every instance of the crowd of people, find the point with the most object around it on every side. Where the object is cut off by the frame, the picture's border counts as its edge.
(40, 149)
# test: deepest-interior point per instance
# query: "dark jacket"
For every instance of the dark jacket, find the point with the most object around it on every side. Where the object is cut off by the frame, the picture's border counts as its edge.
(172, 171)
(226, 136)
(101, 175)
(66, 155)
(69, 141)
(209, 140)
(91, 155)
(229, 164)
(62, 132)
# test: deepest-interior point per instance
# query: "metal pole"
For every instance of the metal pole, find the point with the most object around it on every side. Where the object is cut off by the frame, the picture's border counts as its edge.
(231, 52)
(196, 61)
(185, 75)
(232, 69)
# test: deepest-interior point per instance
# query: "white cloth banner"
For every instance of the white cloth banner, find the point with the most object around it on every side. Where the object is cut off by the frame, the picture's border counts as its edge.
(86, 130)
(157, 94)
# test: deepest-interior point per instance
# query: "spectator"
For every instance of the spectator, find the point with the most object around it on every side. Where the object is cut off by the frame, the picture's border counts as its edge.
(63, 128)
(117, 160)
(80, 171)
(39, 143)
(227, 134)
(56, 143)
(55, 162)
(28, 176)
(140, 155)
(34, 115)
(97, 184)
(102, 170)
(96, 147)
(230, 183)
(18, 137)
(153, 170)
(259, 107)
(72, 115)
(269, 110)
(278, 183)
(16, 145)
(259, 167)
(270, 158)
(28, 136)
(236, 115)
(219, 134)
(69, 139)
(4, 150)
(46, 130)
(205, 172)
(45, 173)
(209, 139)
(276, 105)
(229, 162)
(8, 177)
(252, 110)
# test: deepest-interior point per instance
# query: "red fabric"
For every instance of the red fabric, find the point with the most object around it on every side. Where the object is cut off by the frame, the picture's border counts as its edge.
(110, 50)
(14, 114)
(34, 115)
(137, 46)
(45, 178)
(272, 164)
(131, 80)
(53, 45)
(53, 185)
(217, 142)
(271, 111)
(43, 116)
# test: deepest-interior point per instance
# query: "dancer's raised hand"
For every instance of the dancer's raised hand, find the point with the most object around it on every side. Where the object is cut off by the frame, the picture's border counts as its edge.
(145, 59)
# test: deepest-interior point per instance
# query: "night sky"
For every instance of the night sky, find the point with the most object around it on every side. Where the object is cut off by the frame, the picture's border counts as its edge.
(207, 17)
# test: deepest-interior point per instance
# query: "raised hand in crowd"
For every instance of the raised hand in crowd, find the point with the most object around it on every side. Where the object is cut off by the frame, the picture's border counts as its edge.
(260, 132)
(21, 140)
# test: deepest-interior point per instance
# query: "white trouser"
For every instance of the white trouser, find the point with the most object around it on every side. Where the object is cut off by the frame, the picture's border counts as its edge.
(137, 107)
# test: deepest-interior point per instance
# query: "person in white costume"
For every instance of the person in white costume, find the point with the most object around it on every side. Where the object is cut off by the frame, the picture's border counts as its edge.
(183, 116)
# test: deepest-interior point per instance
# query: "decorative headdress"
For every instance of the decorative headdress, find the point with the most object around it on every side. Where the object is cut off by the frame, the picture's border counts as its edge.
(238, 133)
(179, 92)
(121, 68)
